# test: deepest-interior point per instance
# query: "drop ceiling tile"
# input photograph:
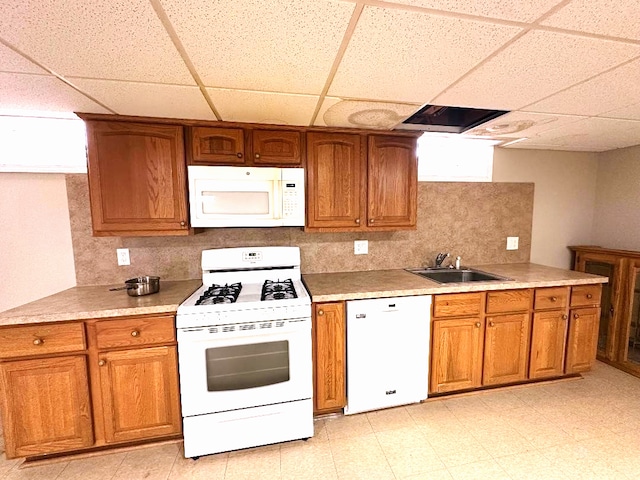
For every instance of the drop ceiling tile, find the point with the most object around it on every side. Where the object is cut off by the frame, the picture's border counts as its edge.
(42, 92)
(146, 99)
(10, 61)
(535, 66)
(526, 11)
(631, 112)
(521, 124)
(606, 92)
(592, 134)
(336, 112)
(263, 107)
(618, 18)
(404, 56)
(115, 39)
(286, 46)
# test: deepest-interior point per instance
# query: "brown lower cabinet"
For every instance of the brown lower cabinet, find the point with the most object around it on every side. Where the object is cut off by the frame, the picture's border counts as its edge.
(329, 357)
(506, 343)
(548, 338)
(583, 339)
(61, 392)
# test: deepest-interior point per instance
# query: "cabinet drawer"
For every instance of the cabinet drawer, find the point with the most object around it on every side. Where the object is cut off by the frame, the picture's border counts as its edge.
(41, 339)
(457, 304)
(135, 331)
(508, 301)
(585, 295)
(551, 298)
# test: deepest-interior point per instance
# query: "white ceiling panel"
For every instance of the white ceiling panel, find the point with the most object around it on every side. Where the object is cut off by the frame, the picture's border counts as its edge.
(535, 66)
(326, 104)
(522, 11)
(10, 61)
(42, 92)
(414, 63)
(261, 107)
(605, 92)
(592, 134)
(286, 46)
(363, 114)
(618, 18)
(115, 39)
(631, 112)
(521, 124)
(152, 100)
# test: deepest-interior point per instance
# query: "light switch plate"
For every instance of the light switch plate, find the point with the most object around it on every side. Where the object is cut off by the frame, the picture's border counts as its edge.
(123, 256)
(512, 243)
(361, 247)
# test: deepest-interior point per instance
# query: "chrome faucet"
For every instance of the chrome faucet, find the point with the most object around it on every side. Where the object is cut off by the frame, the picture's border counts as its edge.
(441, 258)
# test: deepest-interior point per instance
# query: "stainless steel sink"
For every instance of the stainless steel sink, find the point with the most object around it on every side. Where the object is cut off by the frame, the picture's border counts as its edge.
(450, 275)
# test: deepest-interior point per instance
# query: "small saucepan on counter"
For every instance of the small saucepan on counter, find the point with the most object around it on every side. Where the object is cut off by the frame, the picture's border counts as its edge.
(139, 286)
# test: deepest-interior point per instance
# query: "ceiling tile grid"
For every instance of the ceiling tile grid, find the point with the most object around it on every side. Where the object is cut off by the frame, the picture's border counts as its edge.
(10, 61)
(536, 65)
(632, 112)
(617, 18)
(404, 56)
(42, 92)
(520, 11)
(146, 99)
(114, 39)
(285, 46)
(263, 107)
(521, 124)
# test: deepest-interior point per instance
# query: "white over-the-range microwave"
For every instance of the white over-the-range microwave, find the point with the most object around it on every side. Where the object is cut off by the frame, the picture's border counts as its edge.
(246, 196)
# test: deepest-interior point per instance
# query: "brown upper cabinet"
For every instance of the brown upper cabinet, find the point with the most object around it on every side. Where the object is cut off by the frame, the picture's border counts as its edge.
(361, 182)
(243, 147)
(137, 179)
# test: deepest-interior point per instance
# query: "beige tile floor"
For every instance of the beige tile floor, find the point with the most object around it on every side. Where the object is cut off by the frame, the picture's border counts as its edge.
(579, 429)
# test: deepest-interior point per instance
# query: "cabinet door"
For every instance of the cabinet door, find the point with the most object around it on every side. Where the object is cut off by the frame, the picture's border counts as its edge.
(216, 146)
(582, 341)
(335, 181)
(392, 182)
(456, 358)
(273, 147)
(506, 349)
(548, 336)
(139, 390)
(329, 355)
(46, 406)
(137, 180)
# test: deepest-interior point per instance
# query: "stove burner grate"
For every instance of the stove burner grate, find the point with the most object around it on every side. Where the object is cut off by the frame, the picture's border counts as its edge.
(220, 294)
(278, 290)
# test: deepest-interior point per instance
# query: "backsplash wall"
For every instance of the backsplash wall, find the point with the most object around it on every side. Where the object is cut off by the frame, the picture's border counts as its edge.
(467, 219)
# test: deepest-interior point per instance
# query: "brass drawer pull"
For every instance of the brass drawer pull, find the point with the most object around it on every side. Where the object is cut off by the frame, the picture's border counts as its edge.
(135, 333)
(38, 341)
(478, 324)
(565, 316)
(589, 296)
(554, 299)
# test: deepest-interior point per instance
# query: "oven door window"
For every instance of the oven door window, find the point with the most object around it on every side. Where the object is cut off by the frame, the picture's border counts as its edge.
(239, 367)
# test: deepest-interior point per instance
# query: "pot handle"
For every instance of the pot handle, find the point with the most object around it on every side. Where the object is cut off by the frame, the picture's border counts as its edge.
(121, 288)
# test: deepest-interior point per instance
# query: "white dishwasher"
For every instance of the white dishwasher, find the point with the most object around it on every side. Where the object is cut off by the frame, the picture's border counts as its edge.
(387, 352)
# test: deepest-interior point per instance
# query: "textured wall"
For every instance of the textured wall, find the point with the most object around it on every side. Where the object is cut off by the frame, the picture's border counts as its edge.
(467, 219)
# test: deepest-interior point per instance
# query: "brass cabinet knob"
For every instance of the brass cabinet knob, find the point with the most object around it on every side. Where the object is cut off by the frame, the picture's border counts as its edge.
(101, 363)
(183, 223)
(320, 312)
(575, 315)
(565, 316)
(135, 333)
(239, 155)
(371, 220)
(478, 324)
(554, 299)
(257, 155)
(38, 341)
(589, 296)
(357, 221)
(491, 324)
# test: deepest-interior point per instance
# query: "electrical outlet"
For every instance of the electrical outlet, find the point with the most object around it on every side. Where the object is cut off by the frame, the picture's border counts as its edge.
(361, 247)
(123, 256)
(512, 243)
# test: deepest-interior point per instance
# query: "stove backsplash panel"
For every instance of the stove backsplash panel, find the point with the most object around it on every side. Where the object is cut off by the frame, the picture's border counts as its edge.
(467, 219)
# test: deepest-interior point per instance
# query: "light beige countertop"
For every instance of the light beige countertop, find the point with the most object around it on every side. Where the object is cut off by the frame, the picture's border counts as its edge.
(328, 287)
(80, 303)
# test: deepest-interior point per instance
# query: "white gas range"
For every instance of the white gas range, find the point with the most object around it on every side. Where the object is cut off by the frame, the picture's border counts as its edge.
(244, 347)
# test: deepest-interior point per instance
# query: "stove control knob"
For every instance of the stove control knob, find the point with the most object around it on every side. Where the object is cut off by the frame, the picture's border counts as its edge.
(38, 341)
(135, 333)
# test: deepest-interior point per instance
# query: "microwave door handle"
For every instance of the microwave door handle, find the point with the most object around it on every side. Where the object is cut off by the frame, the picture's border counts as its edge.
(277, 199)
